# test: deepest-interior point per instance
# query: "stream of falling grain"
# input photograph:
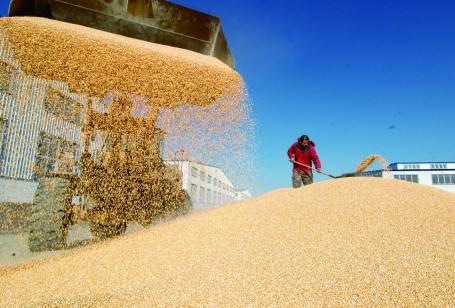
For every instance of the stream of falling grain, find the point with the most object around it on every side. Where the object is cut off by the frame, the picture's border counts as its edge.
(364, 164)
(106, 111)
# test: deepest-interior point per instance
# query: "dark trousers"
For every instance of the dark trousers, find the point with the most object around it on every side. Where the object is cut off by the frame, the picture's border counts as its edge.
(299, 177)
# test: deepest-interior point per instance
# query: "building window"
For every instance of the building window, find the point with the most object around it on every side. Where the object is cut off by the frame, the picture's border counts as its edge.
(202, 175)
(201, 194)
(411, 167)
(63, 107)
(439, 166)
(215, 181)
(443, 179)
(209, 179)
(193, 192)
(54, 155)
(3, 129)
(209, 196)
(5, 77)
(407, 177)
(194, 171)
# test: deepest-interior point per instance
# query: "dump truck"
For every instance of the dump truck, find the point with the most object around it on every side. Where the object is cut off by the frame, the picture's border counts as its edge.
(127, 180)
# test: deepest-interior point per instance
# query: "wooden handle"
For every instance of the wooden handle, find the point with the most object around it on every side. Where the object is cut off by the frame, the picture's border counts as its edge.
(296, 162)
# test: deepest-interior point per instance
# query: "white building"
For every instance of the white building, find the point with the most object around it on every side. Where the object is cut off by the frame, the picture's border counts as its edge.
(436, 174)
(207, 186)
(242, 194)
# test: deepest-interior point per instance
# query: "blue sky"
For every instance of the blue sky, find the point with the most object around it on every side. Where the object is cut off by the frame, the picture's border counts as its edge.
(359, 77)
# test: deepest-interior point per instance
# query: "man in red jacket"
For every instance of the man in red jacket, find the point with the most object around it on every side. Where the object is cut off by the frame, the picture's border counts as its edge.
(303, 151)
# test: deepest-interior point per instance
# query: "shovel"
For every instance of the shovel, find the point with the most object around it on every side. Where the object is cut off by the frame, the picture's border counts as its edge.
(326, 174)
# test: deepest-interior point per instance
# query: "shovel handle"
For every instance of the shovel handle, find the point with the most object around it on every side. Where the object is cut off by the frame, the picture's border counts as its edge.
(297, 163)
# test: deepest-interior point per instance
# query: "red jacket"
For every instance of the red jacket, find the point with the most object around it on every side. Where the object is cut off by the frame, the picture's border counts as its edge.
(304, 155)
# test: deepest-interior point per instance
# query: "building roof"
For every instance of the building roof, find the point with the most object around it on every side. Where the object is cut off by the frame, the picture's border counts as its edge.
(191, 161)
(417, 166)
(424, 162)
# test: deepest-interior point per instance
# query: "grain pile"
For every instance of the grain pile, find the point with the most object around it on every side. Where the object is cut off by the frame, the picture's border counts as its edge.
(352, 241)
(12, 217)
(369, 160)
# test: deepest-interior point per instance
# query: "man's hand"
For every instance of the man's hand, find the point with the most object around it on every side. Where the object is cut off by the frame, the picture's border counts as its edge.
(318, 170)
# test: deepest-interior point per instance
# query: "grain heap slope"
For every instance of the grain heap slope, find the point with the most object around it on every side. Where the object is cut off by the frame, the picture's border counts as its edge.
(363, 241)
